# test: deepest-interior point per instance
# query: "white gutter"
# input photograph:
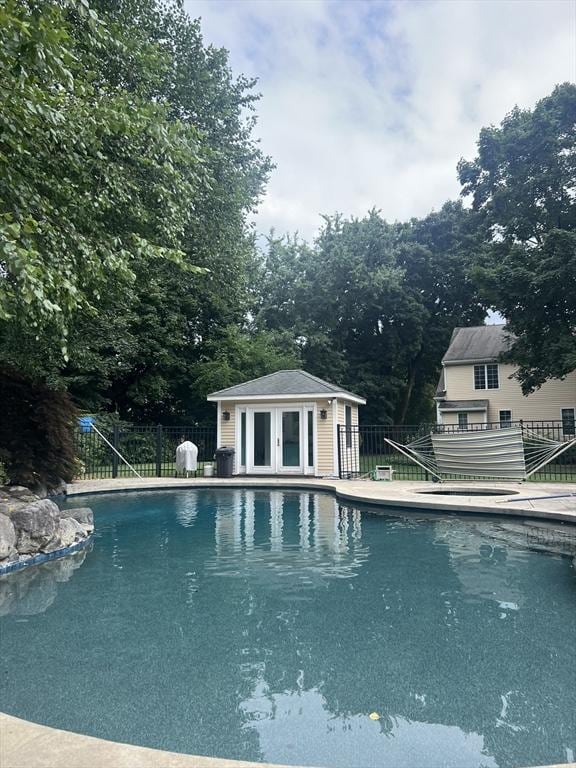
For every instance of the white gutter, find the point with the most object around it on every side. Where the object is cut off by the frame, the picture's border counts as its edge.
(215, 398)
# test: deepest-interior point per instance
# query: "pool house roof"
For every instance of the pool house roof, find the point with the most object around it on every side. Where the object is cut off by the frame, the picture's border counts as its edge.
(284, 385)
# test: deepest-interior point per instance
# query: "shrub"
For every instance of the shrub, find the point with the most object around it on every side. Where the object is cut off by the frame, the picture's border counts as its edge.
(36, 432)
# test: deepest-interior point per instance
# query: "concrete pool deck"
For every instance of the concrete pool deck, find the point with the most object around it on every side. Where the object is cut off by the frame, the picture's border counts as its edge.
(396, 494)
(29, 745)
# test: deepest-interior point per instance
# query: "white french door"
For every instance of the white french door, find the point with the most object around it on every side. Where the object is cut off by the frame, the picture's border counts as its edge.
(279, 440)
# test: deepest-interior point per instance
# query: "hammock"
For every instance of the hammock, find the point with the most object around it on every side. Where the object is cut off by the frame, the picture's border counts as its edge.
(510, 453)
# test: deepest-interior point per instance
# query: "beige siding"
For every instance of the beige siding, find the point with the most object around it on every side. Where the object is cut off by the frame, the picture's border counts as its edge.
(325, 439)
(543, 405)
(474, 417)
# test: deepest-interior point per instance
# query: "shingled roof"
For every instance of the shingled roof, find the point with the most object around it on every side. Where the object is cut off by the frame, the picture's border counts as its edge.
(282, 383)
(481, 343)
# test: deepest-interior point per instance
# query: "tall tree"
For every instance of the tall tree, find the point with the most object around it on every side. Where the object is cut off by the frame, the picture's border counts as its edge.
(144, 169)
(523, 184)
(372, 305)
(92, 177)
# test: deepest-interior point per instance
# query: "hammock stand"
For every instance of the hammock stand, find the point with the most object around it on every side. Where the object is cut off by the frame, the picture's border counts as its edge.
(508, 453)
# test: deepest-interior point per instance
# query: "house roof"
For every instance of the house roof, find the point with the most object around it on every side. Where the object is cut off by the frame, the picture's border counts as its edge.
(464, 405)
(282, 384)
(441, 386)
(480, 343)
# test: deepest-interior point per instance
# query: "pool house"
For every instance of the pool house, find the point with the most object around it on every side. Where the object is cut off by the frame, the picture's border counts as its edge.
(286, 423)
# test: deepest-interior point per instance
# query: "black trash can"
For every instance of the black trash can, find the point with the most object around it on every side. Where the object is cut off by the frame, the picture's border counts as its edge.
(224, 461)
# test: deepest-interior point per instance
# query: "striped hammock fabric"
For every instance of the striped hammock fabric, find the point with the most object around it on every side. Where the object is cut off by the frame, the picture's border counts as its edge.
(494, 453)
(509, 453)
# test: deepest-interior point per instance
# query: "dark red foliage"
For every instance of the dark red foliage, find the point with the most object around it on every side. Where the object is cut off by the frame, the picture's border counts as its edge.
(36, 431)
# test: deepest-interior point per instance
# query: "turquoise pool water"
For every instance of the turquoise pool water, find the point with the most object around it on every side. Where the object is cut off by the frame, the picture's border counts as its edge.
(269, 626)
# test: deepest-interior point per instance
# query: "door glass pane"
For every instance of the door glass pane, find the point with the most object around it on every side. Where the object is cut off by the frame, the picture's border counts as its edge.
(310, 438)
(262, 423)
(291, 438)
(243, 439)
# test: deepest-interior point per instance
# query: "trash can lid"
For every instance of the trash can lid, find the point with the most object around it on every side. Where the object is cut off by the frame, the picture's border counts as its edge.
(225, 451)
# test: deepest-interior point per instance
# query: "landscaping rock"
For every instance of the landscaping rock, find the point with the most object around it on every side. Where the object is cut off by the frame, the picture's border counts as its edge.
(36, 525)
(7, 537)
(19, 492)
(61, 489)
(8, 507)
(29, 525)
(82, 515)
(69, 531)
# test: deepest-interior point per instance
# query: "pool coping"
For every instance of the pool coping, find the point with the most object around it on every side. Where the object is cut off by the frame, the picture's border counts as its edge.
(398, 494)
(24, 744)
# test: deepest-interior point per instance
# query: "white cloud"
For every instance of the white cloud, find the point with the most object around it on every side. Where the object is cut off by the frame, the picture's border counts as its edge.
(371, 104)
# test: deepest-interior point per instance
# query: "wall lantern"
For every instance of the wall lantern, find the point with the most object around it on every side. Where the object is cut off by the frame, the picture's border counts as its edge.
(323, 414)
(225, 415)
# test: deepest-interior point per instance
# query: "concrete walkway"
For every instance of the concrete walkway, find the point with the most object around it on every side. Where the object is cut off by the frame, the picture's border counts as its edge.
(28, 745)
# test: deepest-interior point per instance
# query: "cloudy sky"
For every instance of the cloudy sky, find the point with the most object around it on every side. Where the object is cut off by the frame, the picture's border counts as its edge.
(371, 104)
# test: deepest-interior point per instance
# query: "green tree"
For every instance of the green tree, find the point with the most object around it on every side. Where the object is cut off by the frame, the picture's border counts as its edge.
(372, 305)
(522, 183)
(149, 174)
(92, 175)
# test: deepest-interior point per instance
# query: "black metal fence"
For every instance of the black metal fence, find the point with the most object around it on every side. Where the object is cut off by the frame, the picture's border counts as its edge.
(363, 447)
(150, 449)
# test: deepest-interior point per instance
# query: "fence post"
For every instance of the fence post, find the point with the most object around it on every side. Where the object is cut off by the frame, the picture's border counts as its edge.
(116, 444)
(159, 450)
(338, 440)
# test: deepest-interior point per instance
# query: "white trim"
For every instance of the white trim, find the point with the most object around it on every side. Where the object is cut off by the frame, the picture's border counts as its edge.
(239, 467)
(273, 398)
(464, 409)
(485, 388)
(335, 437)
(473, 361)
(219, 426)
(314, 468)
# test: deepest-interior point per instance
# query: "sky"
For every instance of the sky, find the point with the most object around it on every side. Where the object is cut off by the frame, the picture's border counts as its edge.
(371, 104)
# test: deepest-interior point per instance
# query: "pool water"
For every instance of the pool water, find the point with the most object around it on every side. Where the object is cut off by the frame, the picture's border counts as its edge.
(270, 626)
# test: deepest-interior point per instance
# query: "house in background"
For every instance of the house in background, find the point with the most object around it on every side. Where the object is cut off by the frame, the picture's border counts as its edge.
(475, 388)
(286, 423)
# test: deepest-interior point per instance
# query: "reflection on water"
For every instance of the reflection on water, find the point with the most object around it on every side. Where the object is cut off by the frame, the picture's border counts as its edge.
(269, 626)
(34, 589)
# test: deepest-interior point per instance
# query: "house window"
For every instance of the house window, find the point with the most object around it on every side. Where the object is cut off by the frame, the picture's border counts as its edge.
(348, 424)
(505, 419)
(486, 376)
(462, 421)
(568, 421)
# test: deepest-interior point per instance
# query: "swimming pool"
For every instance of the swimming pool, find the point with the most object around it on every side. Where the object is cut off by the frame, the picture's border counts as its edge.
(270, 625)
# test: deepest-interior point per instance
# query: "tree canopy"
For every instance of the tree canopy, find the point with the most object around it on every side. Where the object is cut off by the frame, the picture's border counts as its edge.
(130, 275)
(523, 185)
(372, 305)
(128, 173)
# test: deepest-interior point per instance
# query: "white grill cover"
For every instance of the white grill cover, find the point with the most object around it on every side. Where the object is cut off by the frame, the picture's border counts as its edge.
(186, 457)
(484, 453)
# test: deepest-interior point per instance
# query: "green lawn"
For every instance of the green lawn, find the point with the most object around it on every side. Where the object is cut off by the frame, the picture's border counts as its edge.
(407, 470)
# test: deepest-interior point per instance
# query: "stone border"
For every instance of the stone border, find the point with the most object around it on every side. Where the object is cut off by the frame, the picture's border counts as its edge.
(43, 557)
(30, 745)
